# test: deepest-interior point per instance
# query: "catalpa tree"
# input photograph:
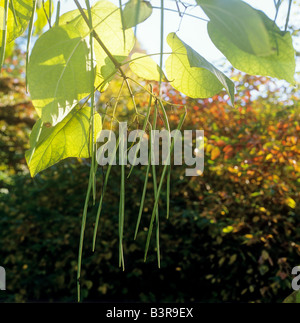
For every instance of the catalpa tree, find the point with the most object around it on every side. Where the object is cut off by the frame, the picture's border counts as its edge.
(83, 50)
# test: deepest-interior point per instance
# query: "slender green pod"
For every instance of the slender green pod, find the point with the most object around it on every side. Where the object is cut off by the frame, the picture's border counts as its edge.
(160, 187)
(29, 38)
(166, 122)
(155, 191)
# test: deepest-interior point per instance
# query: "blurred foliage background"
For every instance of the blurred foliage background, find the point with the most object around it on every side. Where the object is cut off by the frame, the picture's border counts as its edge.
(233, 233)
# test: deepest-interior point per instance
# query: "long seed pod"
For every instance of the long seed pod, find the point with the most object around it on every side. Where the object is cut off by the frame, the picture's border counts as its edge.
(160, 187)
(29, 38)
(167, 126)
(144, 128)
(146, 175)
(91, 184)
(155, 192)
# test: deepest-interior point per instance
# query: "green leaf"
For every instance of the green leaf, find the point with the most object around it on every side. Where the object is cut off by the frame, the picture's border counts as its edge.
(108, 25)
(145, 67)
(293, 298)
(135, 12)
(18, 22)
(70, 17)
(41, 20)
(240, 24)
(192, 74)
(281, 64)
(58, 75)
(9, 49)
(69, 138)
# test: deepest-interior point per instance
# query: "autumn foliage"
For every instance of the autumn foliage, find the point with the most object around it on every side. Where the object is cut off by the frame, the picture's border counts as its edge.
(232, 234)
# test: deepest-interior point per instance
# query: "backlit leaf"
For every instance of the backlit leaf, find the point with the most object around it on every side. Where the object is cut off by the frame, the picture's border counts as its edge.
(58, 73)
(192, 74)
(135, 12)
(69, 138)
(41, 20)
(280, 64)
(108, 25)
(17, 24)
(241, 24)
(146, 68)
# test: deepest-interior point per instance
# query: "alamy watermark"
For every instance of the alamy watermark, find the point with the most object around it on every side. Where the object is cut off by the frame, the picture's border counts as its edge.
(2, 279)
(296, 280)
(172, 144)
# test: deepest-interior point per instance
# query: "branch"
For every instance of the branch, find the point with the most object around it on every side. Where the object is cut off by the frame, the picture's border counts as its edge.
(96, 36)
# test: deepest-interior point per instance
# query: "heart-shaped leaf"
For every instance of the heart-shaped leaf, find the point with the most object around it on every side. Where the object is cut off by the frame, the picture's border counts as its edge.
(241, 24)
(107, 22)
(192, 74)
(69, 138)
(280, 64)
(58, 75)
(135, 12)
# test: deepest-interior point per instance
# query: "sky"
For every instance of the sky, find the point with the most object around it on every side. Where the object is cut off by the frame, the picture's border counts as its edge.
(192, 31)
